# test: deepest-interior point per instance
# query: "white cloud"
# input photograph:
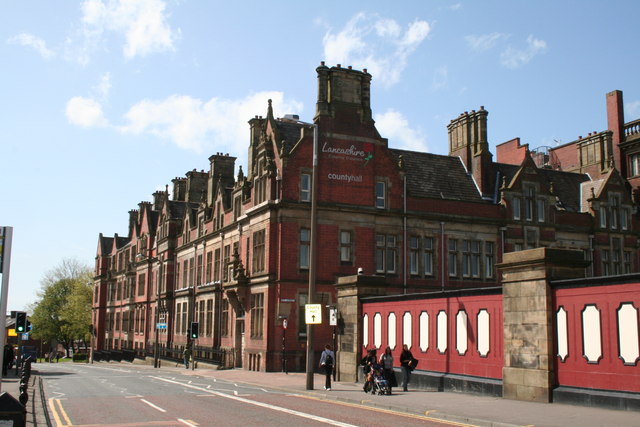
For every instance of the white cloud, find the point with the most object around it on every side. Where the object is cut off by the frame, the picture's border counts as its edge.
(104, 86)
(143, 23)
(440, 78)
(198, 125)
(514, 58)
(376, 43)
(85, 112)
(394, 126)
(29, 40)
(632, 110)
(484, 42)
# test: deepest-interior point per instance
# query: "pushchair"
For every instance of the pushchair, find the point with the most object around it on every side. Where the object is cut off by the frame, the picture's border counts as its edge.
(376, 383)
(380, 384)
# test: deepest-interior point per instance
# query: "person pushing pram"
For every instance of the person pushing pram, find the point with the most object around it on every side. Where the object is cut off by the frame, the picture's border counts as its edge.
(374, 380)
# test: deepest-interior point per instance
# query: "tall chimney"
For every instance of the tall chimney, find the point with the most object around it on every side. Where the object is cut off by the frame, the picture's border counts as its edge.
(615, 121)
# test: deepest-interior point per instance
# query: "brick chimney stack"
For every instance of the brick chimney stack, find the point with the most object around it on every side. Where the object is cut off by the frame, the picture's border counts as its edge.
(615, 121)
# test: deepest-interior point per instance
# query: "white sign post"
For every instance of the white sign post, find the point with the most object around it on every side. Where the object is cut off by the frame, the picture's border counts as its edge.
(313, 314)
(333, 316)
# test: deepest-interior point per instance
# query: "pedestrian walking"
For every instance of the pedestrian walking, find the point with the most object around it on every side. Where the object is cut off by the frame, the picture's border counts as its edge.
(186, 354)
(408, 363)
(386, 360)
(57, 357)
(327, 361)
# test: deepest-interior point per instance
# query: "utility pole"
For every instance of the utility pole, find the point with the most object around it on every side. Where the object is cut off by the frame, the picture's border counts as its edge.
(6, 234)
(312, 258)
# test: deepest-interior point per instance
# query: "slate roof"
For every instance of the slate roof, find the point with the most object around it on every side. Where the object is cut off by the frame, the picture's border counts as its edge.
(106, 243)
(289, 132)
(121, 242)
(437, 177)
(566, 185)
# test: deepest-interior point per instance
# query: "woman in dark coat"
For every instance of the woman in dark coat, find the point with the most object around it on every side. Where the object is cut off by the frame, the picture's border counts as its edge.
(406, 362)
(386, 360)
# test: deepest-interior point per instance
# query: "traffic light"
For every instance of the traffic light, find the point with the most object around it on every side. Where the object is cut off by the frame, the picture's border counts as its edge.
(28, 326)
(194, 330)
(21, 322)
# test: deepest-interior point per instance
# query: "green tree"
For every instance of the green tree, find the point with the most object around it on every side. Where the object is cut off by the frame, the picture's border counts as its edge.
(63, 311)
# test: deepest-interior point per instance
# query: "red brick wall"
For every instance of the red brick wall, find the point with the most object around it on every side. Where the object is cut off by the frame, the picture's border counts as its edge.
(511, 152)
(567, 156)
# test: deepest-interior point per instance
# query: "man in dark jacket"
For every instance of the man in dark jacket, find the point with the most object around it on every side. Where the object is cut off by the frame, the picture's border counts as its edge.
(406, 362)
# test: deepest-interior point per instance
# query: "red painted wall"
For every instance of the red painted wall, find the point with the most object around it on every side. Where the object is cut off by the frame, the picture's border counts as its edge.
(610, 372)
(449, 361)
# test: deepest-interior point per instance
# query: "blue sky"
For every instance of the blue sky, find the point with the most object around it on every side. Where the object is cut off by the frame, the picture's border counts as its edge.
(105, 101)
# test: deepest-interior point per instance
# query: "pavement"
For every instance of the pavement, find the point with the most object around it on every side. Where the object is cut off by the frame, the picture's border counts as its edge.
(459, 408)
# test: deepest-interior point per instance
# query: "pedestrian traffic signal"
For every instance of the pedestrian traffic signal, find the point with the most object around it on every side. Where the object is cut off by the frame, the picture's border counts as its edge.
(21, 322)
(194, 330)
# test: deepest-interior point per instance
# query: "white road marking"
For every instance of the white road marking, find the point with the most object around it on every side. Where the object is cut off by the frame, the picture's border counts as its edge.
(153, 406)
(187, 422)
(263, 405)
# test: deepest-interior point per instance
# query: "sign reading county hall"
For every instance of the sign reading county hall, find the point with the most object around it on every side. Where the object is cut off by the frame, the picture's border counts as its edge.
(349, 153)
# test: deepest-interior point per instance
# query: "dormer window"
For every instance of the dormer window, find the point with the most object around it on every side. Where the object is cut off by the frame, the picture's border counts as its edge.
(603, 216)
(515, 207)
(528, 206)
(541, 209)
(529, 195)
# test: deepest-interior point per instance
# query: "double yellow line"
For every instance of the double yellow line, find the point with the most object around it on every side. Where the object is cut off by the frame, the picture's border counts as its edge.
(59, 416)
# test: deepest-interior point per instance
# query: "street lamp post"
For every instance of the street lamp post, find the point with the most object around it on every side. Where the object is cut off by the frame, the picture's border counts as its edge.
(312, 258)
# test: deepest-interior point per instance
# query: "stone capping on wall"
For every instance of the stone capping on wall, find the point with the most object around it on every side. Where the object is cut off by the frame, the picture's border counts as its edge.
(553, 256)
(620, 279)
(436, 294)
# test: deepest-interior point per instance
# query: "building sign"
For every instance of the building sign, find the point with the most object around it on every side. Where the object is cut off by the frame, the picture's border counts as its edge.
(343, 163)
(333, 316)
(313, 314)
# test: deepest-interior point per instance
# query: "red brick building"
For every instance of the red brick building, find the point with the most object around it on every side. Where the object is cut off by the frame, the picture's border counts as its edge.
(231, 251)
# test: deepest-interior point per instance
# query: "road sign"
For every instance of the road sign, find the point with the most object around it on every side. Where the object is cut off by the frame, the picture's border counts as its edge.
(161, 325)
(313, 314)
(333, 316)
(25, 336)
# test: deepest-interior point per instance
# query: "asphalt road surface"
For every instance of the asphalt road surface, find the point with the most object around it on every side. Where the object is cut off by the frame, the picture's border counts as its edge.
(137, 395)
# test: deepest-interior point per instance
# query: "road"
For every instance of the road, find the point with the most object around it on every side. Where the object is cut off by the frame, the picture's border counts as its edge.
(137, 395)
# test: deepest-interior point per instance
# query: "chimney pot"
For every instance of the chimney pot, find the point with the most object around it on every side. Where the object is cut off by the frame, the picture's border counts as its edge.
(322, 63)
(350, 67)
(338, 65)
(364, 70)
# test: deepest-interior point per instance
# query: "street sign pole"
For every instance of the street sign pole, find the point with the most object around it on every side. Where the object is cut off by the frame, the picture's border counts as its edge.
(312, 258)
(6, 234)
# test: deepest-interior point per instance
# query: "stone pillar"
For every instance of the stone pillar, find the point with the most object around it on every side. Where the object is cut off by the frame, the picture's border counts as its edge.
(350, 289)
(528, 373)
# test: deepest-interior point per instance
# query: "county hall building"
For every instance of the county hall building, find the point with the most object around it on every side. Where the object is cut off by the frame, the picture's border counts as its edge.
(230, 247)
